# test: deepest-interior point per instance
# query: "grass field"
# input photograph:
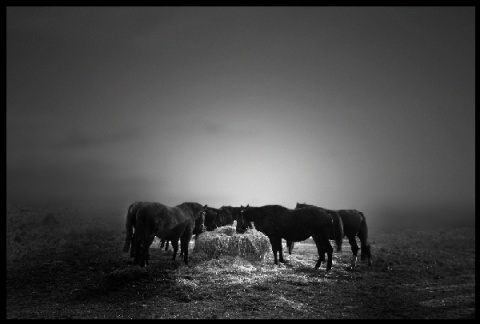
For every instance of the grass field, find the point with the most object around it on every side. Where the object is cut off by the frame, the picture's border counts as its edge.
(68, 263)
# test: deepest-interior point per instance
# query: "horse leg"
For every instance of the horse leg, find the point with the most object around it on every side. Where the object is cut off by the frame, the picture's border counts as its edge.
(329, 249)
(150, 241)
(322, 256)
(290, 245)
(365, 253)
(185, 256)
(320, 250)
(280, 251)
(184, 248)
(166, 245)
(354, 246)
(365, 249)
(163, 243)
(175, 248)
(132, 249)
(323, 245)
(274, 249)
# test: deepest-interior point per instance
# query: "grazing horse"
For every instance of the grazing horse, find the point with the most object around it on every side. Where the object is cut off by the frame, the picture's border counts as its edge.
(224, 217)
(242, 225)
(130, 226)
(169, 223)
(235, 211)
(278, 222)
(217, 217)
(199, 228)
(354, 224)
(211, 219)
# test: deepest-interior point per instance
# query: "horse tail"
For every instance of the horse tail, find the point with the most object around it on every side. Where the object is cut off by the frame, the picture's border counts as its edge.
(363, 235)
(140, 244)
(363, 232)
(129, 229)
(338, 230)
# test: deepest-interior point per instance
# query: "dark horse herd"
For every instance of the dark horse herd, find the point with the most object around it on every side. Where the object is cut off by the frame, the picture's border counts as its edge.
(145, 220)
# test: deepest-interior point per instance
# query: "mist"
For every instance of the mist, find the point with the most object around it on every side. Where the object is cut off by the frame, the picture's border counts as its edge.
(368, 108)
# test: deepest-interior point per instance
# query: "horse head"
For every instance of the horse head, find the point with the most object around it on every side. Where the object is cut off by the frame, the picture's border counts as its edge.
(242, 223)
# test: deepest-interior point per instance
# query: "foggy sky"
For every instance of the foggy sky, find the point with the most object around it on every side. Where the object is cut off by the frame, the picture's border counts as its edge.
(342, 107)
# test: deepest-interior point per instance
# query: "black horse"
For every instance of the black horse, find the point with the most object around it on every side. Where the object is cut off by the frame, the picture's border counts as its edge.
(199, 228)
(278, 222)
(354, 224)
(211, 219)
(242, 225)
(336, 233)
(170, 223)
(235, 211)
(220, 217)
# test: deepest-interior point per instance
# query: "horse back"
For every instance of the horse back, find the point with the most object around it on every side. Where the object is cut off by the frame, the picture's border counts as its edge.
(158, 219)
(300, 224)
(132, 212)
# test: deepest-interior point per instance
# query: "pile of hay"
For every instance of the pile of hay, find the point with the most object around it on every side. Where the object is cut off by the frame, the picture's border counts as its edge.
(224, 241)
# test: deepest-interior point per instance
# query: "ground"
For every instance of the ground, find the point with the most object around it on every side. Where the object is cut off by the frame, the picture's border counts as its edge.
(68, 263)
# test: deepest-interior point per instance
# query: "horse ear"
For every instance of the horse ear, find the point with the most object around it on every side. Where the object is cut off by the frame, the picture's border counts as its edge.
(247, 206)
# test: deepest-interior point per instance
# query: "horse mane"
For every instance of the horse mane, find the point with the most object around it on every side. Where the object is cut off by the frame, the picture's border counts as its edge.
(188, 205)
(192, 206)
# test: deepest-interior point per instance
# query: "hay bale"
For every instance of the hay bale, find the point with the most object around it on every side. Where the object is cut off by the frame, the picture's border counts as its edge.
(224, 241)
(227, 230)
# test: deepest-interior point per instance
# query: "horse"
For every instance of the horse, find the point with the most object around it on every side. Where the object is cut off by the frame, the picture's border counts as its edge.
(235, 211)
(336, 234)
(218, 217)
(242, 225)
(211, 218)
(199, 228)
(169, 223)
(354, 224)
(279, 222)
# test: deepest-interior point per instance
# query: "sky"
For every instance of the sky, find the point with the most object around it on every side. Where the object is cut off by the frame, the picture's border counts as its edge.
(371, 108)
